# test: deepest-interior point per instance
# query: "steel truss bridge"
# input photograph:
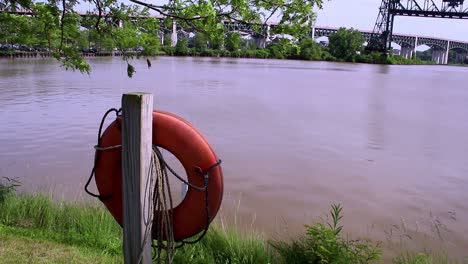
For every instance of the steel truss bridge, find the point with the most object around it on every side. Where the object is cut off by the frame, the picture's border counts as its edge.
(383, 29)
(440, 47)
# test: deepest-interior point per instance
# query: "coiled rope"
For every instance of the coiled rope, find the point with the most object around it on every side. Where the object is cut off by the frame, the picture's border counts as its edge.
(162, 224)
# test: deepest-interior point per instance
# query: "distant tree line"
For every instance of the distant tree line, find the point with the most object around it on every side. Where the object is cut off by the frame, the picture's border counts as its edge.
(42, 33)
(346, 45)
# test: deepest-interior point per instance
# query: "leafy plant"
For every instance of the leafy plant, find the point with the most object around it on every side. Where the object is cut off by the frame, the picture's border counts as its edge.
(7, 187)
(181, 47)
(309, 50)
(326, 245)
(233, 41)
(200, 42)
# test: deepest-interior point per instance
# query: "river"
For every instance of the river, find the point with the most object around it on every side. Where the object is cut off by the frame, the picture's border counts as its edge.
(388, 142)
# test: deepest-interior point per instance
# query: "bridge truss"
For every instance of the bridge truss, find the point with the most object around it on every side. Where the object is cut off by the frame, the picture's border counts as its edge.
(383, 29)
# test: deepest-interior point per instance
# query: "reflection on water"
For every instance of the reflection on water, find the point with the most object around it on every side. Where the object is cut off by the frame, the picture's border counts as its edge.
(386, 141)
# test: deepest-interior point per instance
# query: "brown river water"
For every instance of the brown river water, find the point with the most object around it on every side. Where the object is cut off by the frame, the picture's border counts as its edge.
(390, 143)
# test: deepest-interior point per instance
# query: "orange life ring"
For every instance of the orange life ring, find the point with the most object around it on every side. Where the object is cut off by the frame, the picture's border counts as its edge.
(192, 150)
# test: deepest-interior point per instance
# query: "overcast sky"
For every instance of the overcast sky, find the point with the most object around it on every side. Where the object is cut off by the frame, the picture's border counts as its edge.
(361, 14)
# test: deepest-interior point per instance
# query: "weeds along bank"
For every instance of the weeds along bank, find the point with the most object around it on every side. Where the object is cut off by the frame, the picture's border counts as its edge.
(86, 232)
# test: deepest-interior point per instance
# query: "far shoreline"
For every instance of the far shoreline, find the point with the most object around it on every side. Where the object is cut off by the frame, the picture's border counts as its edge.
(225, 54)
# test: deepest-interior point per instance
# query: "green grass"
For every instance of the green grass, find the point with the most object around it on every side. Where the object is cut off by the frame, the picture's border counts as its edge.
(424, 258)
(68, 223)
(36, 228)
(19, 249)
(90, 226)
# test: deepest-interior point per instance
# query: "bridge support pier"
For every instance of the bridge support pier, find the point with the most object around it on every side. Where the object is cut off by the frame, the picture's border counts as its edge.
(415, 46)
(161, 37)
(406, 52)
(439, 56)
(174, 34)
(262, 40)
(446, 54)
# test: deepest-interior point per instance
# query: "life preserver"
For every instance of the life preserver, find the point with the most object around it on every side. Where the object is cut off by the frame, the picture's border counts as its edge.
(192, 150)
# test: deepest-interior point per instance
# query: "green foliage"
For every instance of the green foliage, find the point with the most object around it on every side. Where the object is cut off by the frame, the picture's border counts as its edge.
(167, 40)
(200, 42)
(148, 38)
(345, 43)
(90, 227)
(57, 25)
(326, 56)
(181, 48)
(18, 249)
(8, 186)
(284, 49)
(373, 58)
(325, 244)
(400, 60)
(168, 50)
(292, 252)
(276, 51)
(68, 223)
(233, 41)
(291, 51)
(226, 246)
(216, 41)
(259, 54)
(309, 50)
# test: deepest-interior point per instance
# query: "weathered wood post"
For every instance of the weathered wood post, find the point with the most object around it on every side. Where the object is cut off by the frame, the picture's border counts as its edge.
(137, 119)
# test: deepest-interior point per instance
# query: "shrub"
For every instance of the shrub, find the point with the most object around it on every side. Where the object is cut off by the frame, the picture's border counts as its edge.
(7, 187)
(276, 51)
(200, 42)
(168, 50)
(325, 244)
(181, 48)
(233, 41)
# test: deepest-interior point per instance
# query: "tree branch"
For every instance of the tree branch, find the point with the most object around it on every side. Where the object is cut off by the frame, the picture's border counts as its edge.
(98, 4)
(159, 9)
(61, 24)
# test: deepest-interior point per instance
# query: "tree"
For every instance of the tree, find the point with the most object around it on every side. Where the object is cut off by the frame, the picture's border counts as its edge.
(182, 47)
(200, 42)
(60, 23)
(310, 50)
(233, 41)
(284, 49)
(345, 44)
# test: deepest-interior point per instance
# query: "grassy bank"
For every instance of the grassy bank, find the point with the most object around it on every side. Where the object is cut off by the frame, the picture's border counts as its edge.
(88, 230)
(37, 229)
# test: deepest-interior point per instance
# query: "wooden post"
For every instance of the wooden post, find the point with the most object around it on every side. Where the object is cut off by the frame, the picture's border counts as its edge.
(137, 129)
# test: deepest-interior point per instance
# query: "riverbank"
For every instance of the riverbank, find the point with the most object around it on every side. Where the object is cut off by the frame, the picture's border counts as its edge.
(33, 227)
(373, 58)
